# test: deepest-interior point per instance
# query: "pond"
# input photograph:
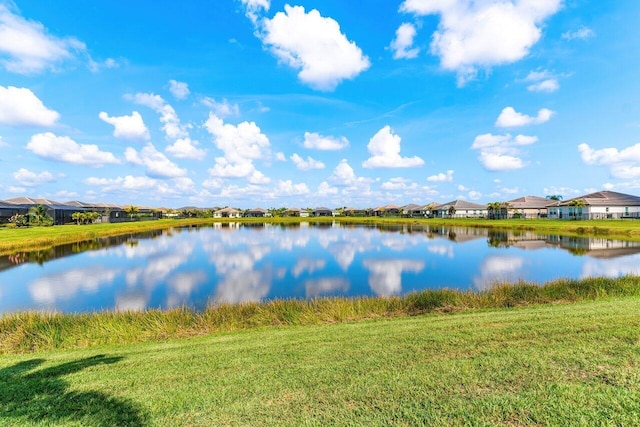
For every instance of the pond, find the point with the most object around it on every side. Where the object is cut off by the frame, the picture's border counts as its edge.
(234, 263)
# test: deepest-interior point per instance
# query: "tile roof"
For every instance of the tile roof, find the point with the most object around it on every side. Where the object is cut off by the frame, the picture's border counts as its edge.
(606, 198)
(530, 202)
(459, 204)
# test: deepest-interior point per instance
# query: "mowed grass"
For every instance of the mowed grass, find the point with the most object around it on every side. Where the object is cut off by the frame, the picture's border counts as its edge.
(34, 238)
(552, 365)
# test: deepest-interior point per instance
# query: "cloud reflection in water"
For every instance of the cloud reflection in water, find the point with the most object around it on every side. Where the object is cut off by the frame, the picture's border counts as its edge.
(385, 276)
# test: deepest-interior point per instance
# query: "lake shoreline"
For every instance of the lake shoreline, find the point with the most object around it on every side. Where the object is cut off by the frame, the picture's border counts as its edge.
(28, 332)
(13, 240)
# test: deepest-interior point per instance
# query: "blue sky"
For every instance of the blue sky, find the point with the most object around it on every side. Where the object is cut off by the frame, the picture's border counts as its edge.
(308, 103)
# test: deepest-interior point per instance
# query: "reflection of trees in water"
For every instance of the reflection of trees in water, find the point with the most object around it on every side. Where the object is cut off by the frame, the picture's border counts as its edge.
(30, 395)
(498, 239)
(41, 256)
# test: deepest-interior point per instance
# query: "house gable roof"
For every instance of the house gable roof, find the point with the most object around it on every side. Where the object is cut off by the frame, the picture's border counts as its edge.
(530, 202)
(31, 201)
(459, 204)
(606, 198)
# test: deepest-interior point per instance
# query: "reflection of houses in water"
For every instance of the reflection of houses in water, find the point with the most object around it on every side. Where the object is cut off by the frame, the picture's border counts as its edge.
(595, 247)
(591, 246)
(459, 234)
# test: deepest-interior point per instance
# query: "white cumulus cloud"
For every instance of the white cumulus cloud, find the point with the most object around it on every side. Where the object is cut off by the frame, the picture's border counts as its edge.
(509, 117)
(128, 127)
(402, 44)
(501, 152)
(623, 164)
(31, 179)
(157, 164)
(384, 147)
(305, 165)
(581, 33)
(26, 47)
(168, 116)
(176, 187)
(64, 149)
(314, 45)
(441, 177)
(482, 34)
(21, 107)
(254, 8)
(186, 148)
(315, 141)
(179, 90)
(221, 109)
(240, 145)
(542, 81)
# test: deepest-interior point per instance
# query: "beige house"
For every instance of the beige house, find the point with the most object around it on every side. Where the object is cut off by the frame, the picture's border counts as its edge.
(227, 213)
(388, 210)
(529, 207)
(296, 212)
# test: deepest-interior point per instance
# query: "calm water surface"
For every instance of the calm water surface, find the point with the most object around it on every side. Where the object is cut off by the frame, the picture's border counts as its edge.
(234, 263)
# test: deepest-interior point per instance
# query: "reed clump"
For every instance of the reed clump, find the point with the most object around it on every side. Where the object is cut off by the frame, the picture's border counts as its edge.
(33, 331)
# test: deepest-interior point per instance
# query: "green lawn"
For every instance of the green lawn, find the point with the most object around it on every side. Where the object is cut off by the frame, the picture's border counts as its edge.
(559, 364)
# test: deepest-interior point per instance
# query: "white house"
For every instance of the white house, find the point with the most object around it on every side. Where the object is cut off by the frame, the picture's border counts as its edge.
(459, 209)
(598, 205)
(227, 213)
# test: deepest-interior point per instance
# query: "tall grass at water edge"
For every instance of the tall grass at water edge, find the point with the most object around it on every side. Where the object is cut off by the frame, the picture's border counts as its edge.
(34, 331)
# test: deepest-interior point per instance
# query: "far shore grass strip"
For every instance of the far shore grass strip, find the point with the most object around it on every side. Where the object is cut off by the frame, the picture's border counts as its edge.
(36, 238)
(34, 332)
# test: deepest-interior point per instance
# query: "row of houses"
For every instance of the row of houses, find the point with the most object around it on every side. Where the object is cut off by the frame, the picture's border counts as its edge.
(598, 205)
(262, 213)
(62, 212)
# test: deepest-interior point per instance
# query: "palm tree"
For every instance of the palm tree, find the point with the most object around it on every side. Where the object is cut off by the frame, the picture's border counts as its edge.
(493, 209)
(39, 215)
(577, 205)
(131, 210)
(555, 197)
(452, 211)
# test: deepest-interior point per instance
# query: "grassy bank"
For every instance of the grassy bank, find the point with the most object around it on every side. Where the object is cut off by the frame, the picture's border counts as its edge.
(553, 365)
(28, 332)
(36, 238)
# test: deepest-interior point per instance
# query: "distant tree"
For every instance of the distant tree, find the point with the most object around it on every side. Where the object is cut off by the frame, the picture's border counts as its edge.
(77, 217)
(38, 216)
(555, 197)
(493, 209)
(131, 210)
(85, 217)
(452, 211)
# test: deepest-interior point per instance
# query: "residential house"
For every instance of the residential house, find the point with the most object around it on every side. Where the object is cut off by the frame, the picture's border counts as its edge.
(598, 205)
(322, 211)
(388, 210)
(60, 212)
(110, 211)
(351, 211)
(256, 213)
(459, 209)
(529, 207)
(297, 212)
(227, 213)
(7, 210)
(413, 210)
